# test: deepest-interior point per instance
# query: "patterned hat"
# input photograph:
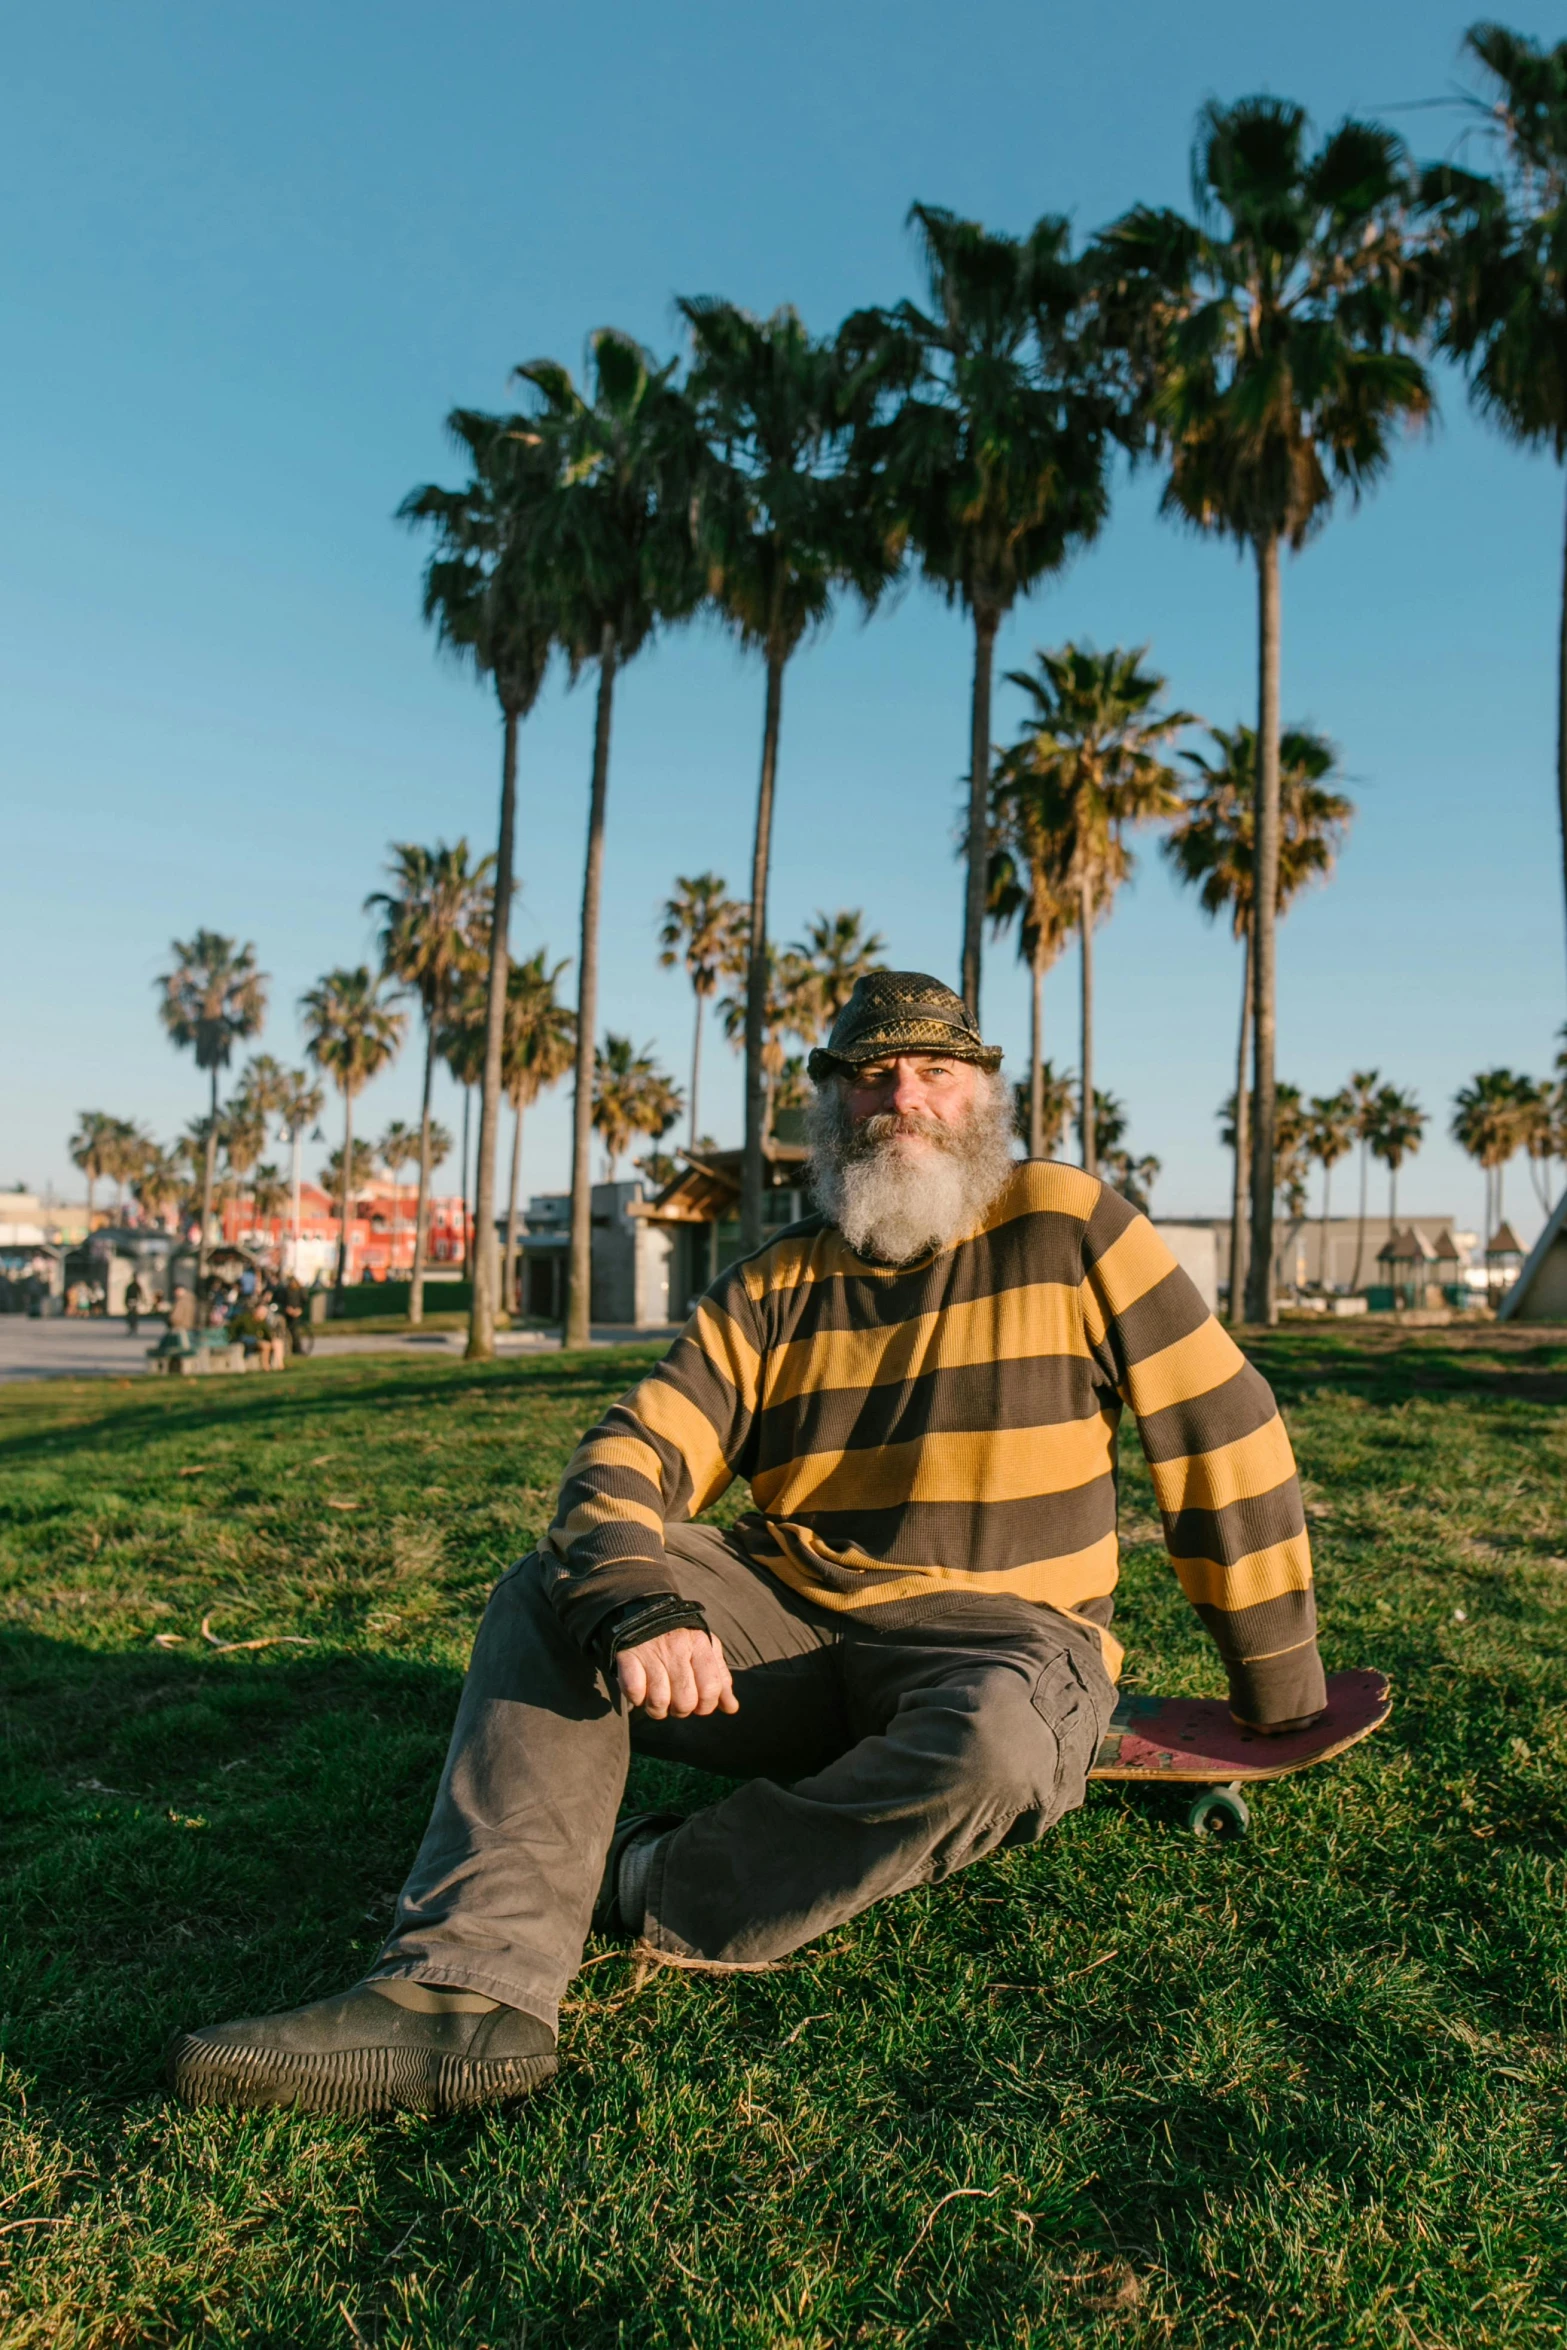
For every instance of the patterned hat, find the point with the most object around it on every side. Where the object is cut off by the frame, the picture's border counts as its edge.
(900, 1012)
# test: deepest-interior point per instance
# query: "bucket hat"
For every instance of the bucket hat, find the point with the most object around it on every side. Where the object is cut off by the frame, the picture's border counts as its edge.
(900, 1012)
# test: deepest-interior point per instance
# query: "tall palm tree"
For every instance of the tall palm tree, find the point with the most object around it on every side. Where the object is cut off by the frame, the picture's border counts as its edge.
(1090, 749)
(1271, 347)
(1028, 885)
(212, 1000)
(541, 1046)
(399, 1147)
(1488, 1115)
(618, 548)
(827, 965)
(784, 528)
(1212, 847)
(429, 919)
(631, 1095)
(91, 1148)
(1501, 275)
(699, 929)
(1361, 1095)
(488, 597)
(990, 439)
(351, 1033)
(786, 1004)
(1398, 1124)
(1538, 1113)
(1330, 1136)
(268, 1193)
(159, 1183)
(1042, 1111)
(242, 1132)
(296, 1101)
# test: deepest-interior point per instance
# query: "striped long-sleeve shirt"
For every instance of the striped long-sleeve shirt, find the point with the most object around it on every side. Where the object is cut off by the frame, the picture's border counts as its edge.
(950, 1426)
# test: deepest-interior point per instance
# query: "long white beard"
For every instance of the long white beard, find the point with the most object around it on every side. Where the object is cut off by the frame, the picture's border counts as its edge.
(894, 1203)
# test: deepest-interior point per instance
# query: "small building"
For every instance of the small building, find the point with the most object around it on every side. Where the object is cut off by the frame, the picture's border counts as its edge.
(632, 1257)
(1408, 1262)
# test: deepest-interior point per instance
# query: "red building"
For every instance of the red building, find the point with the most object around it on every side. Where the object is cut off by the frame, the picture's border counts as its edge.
(380, 1231)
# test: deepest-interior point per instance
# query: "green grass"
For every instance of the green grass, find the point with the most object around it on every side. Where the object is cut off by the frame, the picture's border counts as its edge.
(1121, 2088)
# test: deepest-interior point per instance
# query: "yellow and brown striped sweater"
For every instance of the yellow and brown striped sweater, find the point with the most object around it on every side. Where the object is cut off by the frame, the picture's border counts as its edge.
(950, 1427)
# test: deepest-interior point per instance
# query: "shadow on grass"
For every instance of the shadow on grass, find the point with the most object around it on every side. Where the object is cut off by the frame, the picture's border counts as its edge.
(256, 1405)
(1389, 1366)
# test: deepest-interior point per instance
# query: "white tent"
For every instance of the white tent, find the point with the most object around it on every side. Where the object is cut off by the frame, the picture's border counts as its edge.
(1540, 1292)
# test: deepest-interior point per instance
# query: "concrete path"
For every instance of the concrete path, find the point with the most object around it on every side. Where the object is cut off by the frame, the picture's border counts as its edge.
(86, 1348)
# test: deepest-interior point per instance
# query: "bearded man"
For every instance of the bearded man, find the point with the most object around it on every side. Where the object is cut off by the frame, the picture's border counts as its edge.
(902, 1652)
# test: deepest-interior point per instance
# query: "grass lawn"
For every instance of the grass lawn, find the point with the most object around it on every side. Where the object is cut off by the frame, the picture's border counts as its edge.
(1125, 2087)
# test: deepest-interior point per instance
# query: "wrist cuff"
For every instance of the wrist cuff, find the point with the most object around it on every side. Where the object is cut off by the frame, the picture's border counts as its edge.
(644, 1619)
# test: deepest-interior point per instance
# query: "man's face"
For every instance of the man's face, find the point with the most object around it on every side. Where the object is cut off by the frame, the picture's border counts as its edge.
(918, 1090)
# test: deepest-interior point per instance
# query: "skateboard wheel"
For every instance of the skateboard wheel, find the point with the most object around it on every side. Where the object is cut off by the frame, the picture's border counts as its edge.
(1219, 1811)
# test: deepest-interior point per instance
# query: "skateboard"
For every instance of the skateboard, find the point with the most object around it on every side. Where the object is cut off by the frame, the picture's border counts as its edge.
(1193, 1741)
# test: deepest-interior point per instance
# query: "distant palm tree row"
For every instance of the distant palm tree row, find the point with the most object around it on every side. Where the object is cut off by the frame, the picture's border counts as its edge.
(1264, 353)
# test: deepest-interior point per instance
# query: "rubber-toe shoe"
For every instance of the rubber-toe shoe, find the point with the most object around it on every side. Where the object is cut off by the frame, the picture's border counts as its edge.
(633, 1827)
(360, 2053)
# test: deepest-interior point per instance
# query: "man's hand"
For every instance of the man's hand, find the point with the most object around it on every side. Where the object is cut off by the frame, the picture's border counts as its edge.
(681, 1672)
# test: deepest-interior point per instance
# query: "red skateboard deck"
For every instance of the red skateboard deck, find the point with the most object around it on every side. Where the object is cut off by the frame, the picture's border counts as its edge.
(1193, 1741)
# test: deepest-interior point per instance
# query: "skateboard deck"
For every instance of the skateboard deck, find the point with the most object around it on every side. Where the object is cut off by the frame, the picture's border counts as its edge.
(1193, 1741)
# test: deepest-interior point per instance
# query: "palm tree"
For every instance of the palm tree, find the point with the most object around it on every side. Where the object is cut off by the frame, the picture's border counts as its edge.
(1361, 1095)
(1133, 1178)
(1042, 1109)
(826, 966)
(1330, 1136)
(1488, 1115)
(361, 1168)
(631, 1095)
(617, 545)
(489, 598)
(1501, 275)
(159, 1182)
(351, 1033)
(783, 528)
(699, 929)
(541, 1045)
(991, 446)
(1028, 885)
(268, 1193)
(399, 1147)
(242, 1133)
(91, 1148)
(1089, 749)
(1398, 1122)
(296, 1104)
(1270, 345)
(1212, 847)
(212, 999)
(785, 1005)
(429, 919)
(1539, 1110)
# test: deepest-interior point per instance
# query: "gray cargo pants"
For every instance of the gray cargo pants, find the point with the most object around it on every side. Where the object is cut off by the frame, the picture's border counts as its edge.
(876, 1759)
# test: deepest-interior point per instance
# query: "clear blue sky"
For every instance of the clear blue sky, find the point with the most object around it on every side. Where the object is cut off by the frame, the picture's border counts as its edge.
(256, 254)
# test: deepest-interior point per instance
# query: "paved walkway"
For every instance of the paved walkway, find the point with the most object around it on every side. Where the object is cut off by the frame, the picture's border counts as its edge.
(86, 1348)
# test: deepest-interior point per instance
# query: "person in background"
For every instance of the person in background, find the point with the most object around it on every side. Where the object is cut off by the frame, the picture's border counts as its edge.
(133, 1305)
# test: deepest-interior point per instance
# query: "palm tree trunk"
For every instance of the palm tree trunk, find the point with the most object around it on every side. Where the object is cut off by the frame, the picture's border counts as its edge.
(579, 1305)
(297, 1147)
(467, 1219)
(1086, 1120)
(486, 1298)
(1036, 1063)
(1360, 1222)
(343, 1191)
(511, 1286)
(1561, 721)
(1260, 1305)
(696, 1064)
(758, 1105)
(986, 622)
(208, 1173)
(1242, 1143)
(422, 1209)
(1322, 1239)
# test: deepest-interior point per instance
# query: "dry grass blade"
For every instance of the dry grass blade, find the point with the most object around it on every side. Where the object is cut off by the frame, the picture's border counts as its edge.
(273, 1640)
(983, 2194)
